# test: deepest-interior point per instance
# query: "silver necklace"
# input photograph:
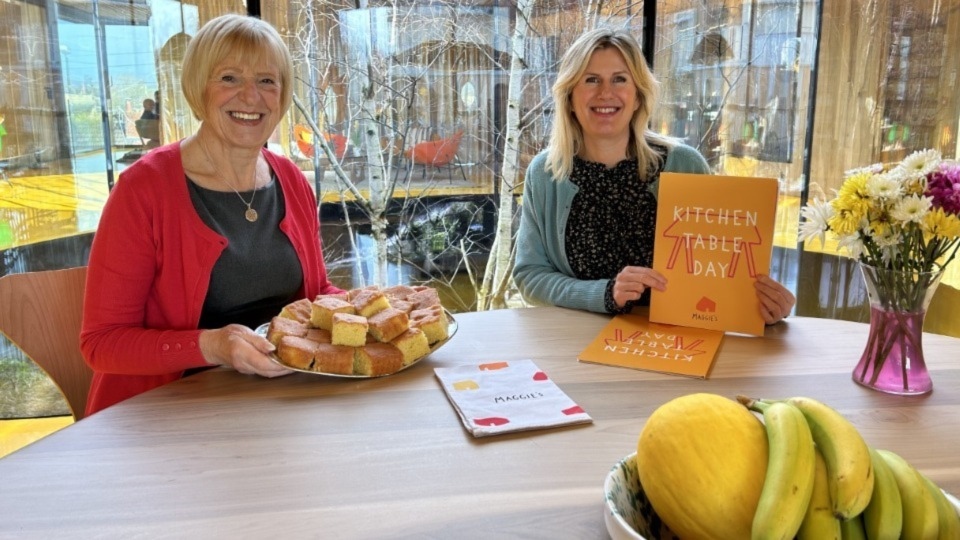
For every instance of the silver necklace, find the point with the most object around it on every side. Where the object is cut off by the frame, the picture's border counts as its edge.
(251, 214)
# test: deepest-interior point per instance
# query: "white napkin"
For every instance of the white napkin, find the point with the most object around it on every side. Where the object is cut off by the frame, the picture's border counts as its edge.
(500, 397)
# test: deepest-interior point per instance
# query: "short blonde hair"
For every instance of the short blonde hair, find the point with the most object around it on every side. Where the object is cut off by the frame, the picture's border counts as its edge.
(237, 36)
(566, 137)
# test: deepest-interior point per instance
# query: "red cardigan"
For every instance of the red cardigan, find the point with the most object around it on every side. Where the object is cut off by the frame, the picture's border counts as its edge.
(150, 267)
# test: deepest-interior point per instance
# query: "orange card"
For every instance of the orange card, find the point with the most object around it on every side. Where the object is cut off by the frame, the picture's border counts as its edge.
(714, 236)
(632, 341)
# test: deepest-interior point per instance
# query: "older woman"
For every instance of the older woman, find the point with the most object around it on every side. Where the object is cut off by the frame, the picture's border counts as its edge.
(589, 204)
(206, 238)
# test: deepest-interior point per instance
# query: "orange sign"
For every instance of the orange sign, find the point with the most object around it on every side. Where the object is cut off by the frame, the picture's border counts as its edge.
(714, 235)
(632, 341)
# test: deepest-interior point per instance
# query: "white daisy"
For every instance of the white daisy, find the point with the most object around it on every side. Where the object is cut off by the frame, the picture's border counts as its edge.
(920, 163)
(889, 238)
(911, 209)
(891, 256)
(815, 216)
(853, 244)
(876, 168)
(883, 186)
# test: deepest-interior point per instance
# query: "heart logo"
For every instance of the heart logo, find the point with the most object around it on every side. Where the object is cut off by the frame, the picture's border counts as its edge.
(572, 410)
(491, 421)
(540, 376)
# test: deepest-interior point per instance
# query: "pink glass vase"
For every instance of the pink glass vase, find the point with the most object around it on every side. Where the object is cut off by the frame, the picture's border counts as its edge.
(892, 360)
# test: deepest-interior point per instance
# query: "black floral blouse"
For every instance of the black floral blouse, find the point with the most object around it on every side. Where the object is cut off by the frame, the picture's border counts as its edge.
(611, 224)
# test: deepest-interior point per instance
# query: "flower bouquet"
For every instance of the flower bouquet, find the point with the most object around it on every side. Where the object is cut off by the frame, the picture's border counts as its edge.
(902, 222)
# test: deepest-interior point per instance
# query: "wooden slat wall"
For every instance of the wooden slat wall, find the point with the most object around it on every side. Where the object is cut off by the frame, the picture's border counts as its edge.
(852, 51)
(949, 80)
(853, 85)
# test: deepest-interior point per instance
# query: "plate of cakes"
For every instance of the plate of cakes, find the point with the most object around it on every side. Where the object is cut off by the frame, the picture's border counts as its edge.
(361, 333)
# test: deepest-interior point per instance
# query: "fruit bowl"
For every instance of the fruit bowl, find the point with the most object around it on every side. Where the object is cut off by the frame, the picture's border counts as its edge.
(628, 513)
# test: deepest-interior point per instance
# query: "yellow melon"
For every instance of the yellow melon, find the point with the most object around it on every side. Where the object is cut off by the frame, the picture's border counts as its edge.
(702, 459)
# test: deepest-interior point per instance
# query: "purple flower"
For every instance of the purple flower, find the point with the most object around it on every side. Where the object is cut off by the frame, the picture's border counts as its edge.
(943, 184)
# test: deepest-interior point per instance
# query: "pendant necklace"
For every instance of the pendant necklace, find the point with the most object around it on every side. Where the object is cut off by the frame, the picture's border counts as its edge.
(251, 214)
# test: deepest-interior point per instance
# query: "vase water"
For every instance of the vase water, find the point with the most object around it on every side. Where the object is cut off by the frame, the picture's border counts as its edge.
(892, 359)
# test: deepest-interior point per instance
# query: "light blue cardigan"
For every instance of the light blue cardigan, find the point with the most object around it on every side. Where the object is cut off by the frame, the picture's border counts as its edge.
(542, 271)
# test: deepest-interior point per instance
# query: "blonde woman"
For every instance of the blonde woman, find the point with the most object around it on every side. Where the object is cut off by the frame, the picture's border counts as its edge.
(204, 239)
(589, 203)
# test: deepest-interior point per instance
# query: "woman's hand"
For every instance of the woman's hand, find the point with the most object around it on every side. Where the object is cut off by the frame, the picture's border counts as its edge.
(632, 281)
(240, 348)
(776, 301)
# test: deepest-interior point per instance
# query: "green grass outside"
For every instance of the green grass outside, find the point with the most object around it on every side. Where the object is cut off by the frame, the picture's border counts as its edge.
(27, 392)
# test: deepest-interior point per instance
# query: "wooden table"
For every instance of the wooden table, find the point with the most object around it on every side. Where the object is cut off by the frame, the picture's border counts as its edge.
(227, 455)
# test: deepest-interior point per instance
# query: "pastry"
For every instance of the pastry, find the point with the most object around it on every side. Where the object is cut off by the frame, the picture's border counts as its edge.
(369, 302)
(323, 309)
(298, 311)
(398, 292)
(337, 359)
(296, 351)
(282, 326)
(319, 335)
(425, 298)
(349, 330)
(388, 324)
(353, 293)
(377, 359)
(402, 305)
(345, 296)
(433, 322)
(413, 345)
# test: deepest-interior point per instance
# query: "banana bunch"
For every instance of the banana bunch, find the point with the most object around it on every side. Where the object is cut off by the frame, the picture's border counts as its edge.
(824, 482)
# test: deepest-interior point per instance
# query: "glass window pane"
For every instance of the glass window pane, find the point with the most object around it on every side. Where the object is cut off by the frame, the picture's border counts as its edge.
(893, 93)
(735, 85)
(74, 76)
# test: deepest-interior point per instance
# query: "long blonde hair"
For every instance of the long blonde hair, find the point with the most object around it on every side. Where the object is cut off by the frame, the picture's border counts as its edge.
(566, 137)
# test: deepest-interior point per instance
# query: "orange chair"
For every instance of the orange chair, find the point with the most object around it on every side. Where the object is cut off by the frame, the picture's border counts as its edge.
(304, 137)
(439, 153)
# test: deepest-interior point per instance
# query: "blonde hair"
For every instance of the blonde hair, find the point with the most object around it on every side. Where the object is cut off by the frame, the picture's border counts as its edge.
(235, 36)
(566, 137)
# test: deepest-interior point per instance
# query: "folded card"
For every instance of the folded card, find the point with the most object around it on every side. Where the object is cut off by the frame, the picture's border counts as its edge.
(501, 397)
